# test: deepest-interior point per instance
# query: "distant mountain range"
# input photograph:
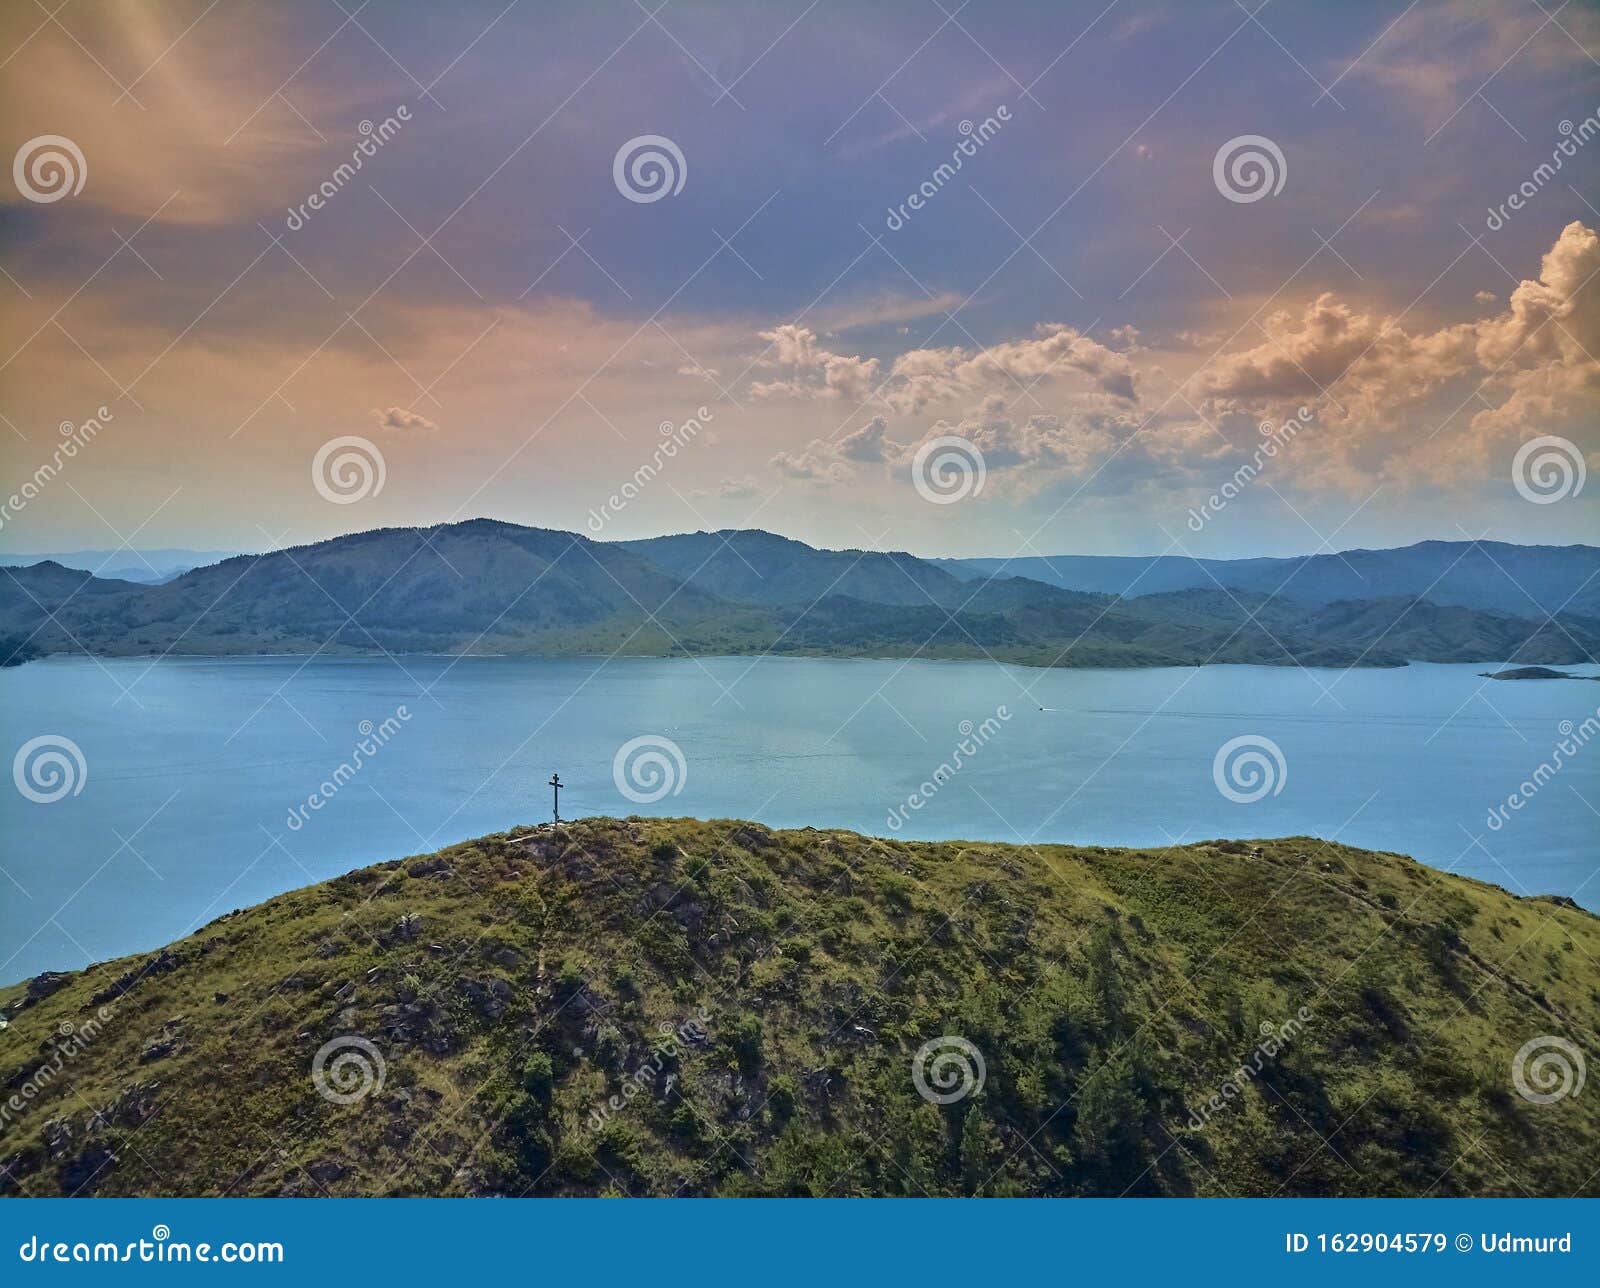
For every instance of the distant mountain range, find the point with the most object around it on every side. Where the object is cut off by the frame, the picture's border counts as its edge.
(148, 566)
(488, 587)
(1523, 581)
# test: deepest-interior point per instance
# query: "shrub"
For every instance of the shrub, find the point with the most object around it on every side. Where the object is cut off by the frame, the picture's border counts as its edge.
(781, 1098)
(744, 1040)
(538, 1077)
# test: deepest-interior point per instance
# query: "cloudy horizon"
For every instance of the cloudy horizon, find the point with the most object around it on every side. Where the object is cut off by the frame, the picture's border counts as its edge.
(1110, 255)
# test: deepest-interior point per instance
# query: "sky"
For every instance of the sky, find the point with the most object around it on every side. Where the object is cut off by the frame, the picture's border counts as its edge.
(994, 279)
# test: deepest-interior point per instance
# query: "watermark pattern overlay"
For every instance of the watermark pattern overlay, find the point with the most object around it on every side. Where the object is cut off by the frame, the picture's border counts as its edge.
(1274, 439)
(374, 737)
(649, 167)
(49, 167)
(1274, 1038)
(49, 768)
(1548, 469)
(348, 469)
(373, 137)
(649, 768)
(1248, 168)
(973, 137)
(74, 439)
(348, 1069)
(1573, 137)
(731, 390)
(948, 469)
(674, 439)
(645, 1077)
(947, 1069)
(974, 737)
(71, 1041)
(1574, 738)
(1546, 1069)
(1249, 768)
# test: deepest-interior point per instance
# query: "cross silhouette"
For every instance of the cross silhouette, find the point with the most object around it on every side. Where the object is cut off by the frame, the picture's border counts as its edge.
(555, 782)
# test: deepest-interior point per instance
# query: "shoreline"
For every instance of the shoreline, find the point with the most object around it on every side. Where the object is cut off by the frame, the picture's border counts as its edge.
(368, 655)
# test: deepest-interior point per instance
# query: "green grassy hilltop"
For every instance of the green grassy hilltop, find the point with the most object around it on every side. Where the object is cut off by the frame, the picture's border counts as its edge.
(670, 1006)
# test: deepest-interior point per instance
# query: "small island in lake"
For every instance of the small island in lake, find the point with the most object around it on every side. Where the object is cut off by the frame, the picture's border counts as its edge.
(1534, 673)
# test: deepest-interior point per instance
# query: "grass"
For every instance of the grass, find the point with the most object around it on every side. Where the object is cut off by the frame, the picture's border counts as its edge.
(751, 1003)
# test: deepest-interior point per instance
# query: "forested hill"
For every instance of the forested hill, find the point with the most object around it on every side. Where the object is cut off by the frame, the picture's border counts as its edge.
(487, 587)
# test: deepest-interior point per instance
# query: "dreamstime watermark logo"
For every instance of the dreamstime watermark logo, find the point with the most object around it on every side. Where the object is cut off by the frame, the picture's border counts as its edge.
(973, 739)
(1546, 1069)
(348, 1069)
(973, 138)
(74, 438)
(1248, 767)
(1249, 167)
(374, 737)
(649, 167)
(1274, 438)
(48, 768)
(1574, 137)
(948, 469)
(373, 137)
(49, 167)
(348, 469)
(692, 1031)
(72, 1041)
(648, 768)
(1274, 1038)
(1548, 469)
(1574, 738)
(674, 438)
(947, 1069)
(160, 1248)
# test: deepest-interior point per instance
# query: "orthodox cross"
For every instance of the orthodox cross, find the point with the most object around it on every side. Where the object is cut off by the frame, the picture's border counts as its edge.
(555, 783)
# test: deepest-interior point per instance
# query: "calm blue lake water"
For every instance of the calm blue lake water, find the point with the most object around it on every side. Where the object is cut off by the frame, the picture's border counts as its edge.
(192, 774)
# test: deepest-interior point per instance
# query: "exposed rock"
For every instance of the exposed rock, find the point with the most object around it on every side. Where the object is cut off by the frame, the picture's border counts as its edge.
(44, 984)
(57, 1134)
(85, 1173)
(15, 1167)
(409, 1023)
(168, 1041)
(325, 1171)
(489, 996)
(163, 962)
(134, 1103)
(409, 926)
(819, 1082)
